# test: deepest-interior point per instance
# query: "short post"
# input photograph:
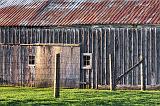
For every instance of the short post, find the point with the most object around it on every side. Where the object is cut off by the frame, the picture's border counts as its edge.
(57, 76)
(142, 68)
(90, 85)
(112, 79)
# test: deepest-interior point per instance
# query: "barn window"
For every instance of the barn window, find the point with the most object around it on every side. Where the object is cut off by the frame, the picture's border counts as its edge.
(31, 60)
(87, 60)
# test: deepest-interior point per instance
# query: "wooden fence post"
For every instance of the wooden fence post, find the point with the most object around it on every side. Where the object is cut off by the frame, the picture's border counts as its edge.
(110, 71)
(112, 79)
(143, 76)
(57, 76)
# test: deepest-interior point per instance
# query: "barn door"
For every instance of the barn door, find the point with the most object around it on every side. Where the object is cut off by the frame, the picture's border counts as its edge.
(70, 67)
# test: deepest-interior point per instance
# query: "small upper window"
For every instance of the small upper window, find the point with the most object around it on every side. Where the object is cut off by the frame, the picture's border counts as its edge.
(87, 60)
(31, 60)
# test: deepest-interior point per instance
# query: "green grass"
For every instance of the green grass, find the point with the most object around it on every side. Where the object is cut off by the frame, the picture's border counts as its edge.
(12, 96)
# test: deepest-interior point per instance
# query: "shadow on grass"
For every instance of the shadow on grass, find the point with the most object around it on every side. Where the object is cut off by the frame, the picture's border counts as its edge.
(65, 103)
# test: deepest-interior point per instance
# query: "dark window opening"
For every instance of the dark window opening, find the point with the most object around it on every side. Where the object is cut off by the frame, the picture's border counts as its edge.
(31, 60)
(87, 60)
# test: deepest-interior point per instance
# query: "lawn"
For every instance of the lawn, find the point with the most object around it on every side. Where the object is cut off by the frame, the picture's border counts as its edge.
(15, 96)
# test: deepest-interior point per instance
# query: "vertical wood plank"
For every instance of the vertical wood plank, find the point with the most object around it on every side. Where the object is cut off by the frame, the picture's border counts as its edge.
(155, 58)
(127, 55)
(90, 51)
(123, 54)
(15, 36)
(30, 32)
(144, 64)
(4, 38)
(149, 56)
(96, 57)
(81, 56)
(143, 33)
(112, 66)
(49, 35)
(153, 35)
(74, 34)
(85, 74)
(135, 55)
(3, 75)
(99, 71)
(62, 36)
(53, 35)
(10, 58)
(101, 57)
(125, 66)
(38, 36)
(158, 54)
(78, 37)
(131, 55)
(139, 53)
(107, 55)
(118, 52)
(58, 35)
(7, 35)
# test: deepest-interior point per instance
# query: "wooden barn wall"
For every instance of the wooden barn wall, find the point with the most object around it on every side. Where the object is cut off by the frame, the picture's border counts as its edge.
(24, 35)
(70, 67)
(44, 66)
(15, 68)
(14, 65)
(129, 45)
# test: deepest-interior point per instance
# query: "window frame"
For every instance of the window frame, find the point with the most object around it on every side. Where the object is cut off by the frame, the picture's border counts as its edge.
(32, 59)
(87, 66)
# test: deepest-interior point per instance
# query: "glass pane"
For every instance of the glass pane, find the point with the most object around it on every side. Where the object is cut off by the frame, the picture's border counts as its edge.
(88, 62)
(88, 57)
(84, 63)
(84, 58)
(31, 60)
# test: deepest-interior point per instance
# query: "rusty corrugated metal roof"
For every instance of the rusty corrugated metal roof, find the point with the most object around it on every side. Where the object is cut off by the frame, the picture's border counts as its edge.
(73, 12)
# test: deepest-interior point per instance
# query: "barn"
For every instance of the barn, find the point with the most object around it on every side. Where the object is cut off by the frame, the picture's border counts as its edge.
(86, 33)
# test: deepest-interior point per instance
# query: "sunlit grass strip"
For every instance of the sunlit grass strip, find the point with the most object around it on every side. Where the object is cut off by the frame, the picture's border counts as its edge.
(44, 96)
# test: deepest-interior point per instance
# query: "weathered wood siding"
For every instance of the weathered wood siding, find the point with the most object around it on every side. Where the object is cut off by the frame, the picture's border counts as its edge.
(129, 45)
(70, 67)
(45, 66)
(14, 65)
(15, 69)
